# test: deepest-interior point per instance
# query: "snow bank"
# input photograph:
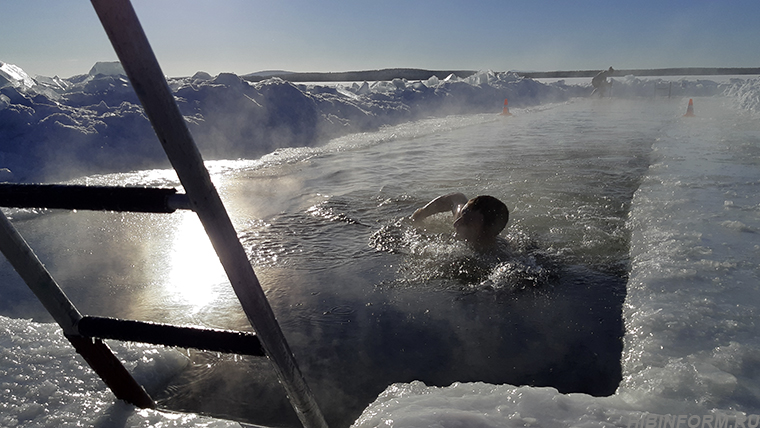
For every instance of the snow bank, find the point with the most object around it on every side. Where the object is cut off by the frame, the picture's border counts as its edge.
(631, 86)
(746, 93)
(54, 128)
(481, 405)
(12, 75)
(691, 309)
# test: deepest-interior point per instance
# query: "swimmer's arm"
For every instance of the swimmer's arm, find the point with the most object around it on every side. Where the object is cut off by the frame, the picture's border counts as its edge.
(450, 202)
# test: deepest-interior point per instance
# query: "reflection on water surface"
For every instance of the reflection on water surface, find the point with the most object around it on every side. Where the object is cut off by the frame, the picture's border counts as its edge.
(364, 298)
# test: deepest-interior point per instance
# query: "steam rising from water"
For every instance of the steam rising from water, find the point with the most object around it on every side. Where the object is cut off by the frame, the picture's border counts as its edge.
(364, 297)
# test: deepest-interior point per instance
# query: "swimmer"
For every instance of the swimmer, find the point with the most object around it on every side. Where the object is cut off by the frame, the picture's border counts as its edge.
(600, 82)
(478, 220)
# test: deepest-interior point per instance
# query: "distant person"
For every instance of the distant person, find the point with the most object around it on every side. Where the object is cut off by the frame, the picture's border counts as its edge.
(600, 82)
(478, 220)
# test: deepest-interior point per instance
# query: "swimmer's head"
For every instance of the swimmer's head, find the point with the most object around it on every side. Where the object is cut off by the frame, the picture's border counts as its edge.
(482, 219)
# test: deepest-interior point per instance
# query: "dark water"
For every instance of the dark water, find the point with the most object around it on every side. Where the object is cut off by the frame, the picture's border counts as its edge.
(365, 298)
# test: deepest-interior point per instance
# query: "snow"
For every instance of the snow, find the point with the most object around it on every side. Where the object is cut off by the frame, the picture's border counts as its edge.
(43, 382)
(107, 69)
(93, 123)
(53, 129)
(13, 75)
(484, 405)
(747, 93)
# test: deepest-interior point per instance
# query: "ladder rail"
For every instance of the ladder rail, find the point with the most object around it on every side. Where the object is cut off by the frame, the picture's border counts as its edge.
(136, 55)
(34, 273)
(206, 339)
(97, 198)
(95, 352)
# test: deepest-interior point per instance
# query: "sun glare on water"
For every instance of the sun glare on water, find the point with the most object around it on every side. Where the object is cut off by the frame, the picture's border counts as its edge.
(194, 271)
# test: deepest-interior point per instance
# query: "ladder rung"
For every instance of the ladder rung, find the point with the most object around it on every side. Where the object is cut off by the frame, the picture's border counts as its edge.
(97, 198)
(227, 341)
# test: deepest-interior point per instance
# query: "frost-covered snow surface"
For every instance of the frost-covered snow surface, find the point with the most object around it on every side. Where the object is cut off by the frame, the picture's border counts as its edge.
(691, 344)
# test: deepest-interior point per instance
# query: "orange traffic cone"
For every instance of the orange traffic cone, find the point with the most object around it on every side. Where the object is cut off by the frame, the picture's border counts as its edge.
(506, 112)
(690, 109)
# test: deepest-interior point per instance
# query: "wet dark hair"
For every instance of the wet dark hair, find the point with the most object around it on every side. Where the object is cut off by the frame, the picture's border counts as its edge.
(495, 213)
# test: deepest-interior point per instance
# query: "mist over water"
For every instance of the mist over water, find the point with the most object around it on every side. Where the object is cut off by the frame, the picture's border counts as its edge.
(364, 297)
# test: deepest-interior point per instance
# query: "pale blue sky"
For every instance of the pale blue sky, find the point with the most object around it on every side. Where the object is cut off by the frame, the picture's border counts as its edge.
(64, 37)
